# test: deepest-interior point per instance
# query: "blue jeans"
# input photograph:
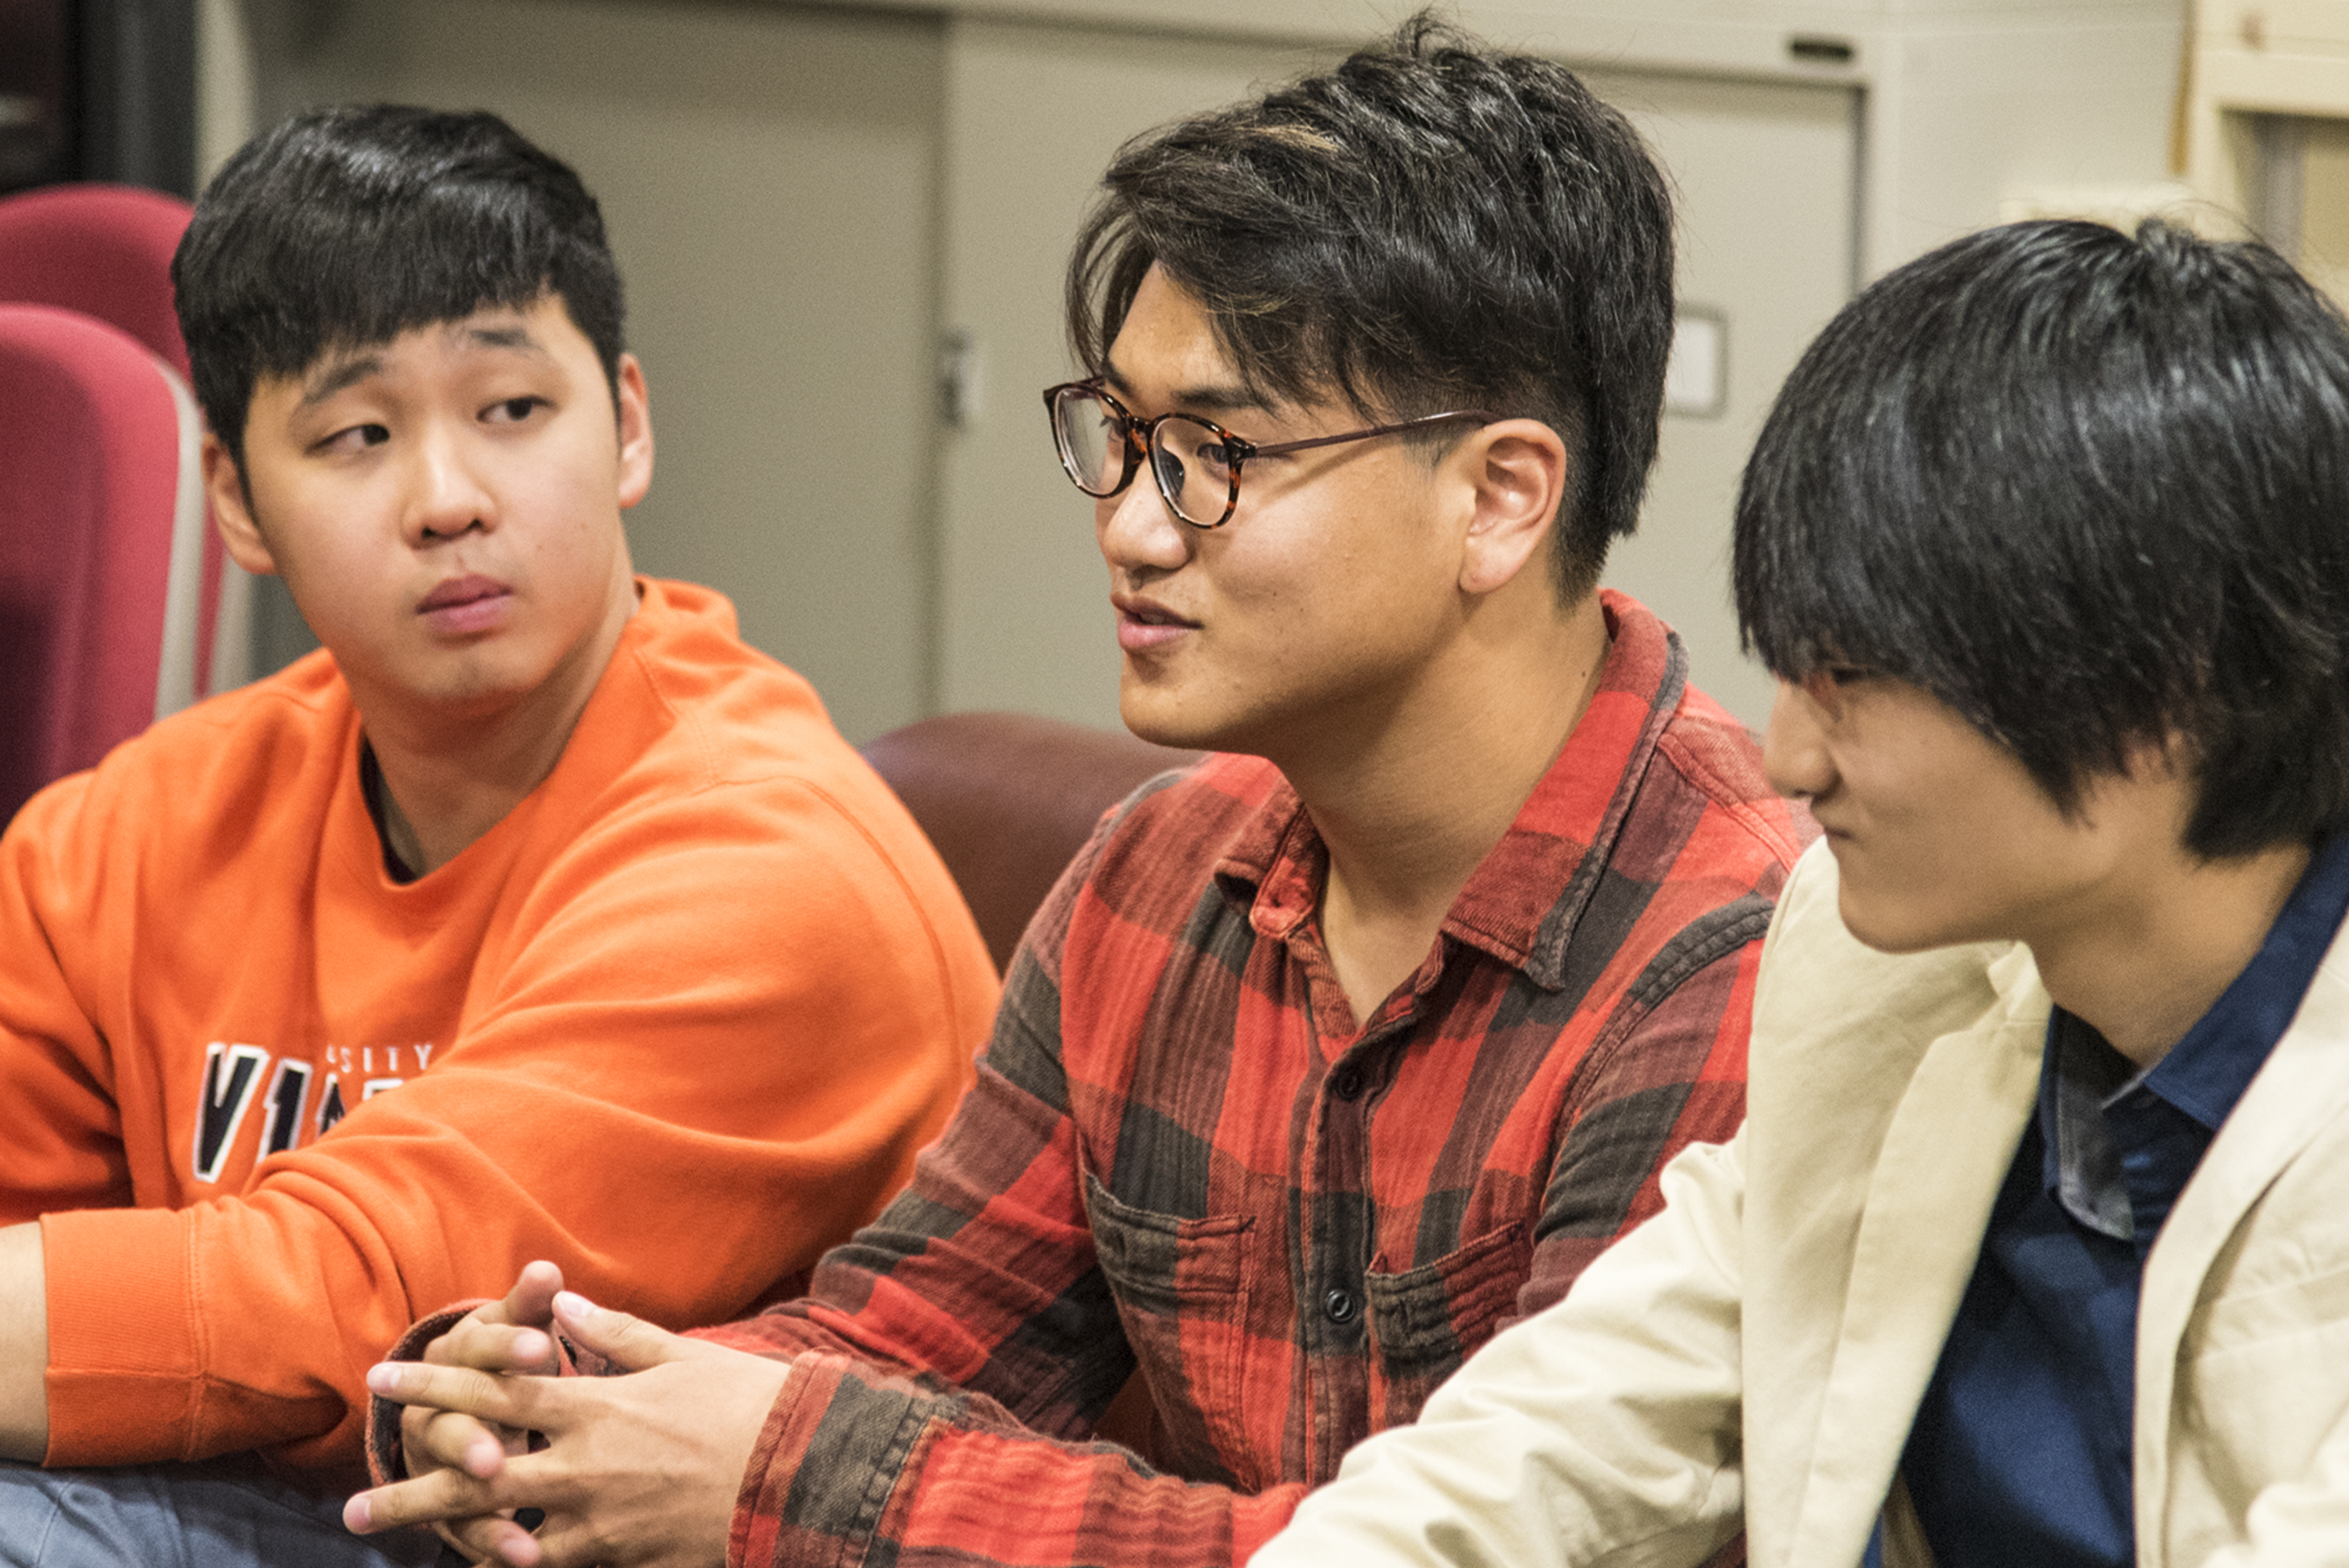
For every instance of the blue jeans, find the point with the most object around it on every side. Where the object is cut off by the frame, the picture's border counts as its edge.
(222, 1513)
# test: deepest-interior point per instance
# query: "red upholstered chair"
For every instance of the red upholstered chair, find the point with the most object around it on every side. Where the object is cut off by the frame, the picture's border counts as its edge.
(101, 532)
(106, 251)
(102, 249)
(1009, 799)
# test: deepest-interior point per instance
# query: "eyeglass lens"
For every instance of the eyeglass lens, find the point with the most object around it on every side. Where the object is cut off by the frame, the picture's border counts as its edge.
(1187, 457)
(1092, 441)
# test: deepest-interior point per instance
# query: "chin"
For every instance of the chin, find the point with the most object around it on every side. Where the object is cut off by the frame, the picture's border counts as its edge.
(1882, 925)
(1162, 718)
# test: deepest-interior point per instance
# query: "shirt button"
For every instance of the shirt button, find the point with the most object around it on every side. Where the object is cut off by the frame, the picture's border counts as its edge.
(1346, 1083)
(1339, 1306)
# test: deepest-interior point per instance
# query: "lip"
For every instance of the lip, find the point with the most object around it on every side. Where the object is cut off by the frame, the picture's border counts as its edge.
(466, 605)
(1144, 624)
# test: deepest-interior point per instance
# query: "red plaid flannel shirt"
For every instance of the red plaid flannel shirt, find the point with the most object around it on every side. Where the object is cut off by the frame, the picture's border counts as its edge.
(1183, 1154)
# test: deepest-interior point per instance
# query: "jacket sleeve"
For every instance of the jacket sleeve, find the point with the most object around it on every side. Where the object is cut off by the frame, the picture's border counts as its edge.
(1603, 1432)
(710, 1045)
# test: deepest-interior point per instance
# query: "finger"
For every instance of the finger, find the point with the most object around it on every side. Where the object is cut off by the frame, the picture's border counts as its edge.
(531, 1303)
(525, 1402)
(418, 1454)
(628, 1342)
(493, 1347)
(491, 1539)
(444, 1497)
(458, 1443)
(567, 1542)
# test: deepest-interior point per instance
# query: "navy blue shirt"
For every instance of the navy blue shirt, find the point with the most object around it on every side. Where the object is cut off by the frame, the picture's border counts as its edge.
(2021, 1449)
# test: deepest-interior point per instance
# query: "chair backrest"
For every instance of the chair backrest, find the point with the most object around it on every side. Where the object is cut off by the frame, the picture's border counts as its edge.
(1009, 799)
(106, 251)
(101, 534)
(102, 249)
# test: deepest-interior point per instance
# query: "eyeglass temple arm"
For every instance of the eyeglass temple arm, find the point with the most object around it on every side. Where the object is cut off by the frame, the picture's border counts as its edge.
(1275, 448)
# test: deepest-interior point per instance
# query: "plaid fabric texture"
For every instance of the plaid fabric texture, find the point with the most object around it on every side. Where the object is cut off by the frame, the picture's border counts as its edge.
(1183, 1155)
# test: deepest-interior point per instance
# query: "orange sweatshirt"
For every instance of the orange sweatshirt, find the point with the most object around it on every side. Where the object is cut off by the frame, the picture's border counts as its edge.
(679, 1022)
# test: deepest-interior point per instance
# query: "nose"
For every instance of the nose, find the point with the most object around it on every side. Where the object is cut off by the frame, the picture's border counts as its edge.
(447, 495)
(1794, 749)
(1137, 534)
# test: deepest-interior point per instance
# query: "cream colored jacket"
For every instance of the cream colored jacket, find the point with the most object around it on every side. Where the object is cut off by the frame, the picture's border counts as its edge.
(1755, 1351)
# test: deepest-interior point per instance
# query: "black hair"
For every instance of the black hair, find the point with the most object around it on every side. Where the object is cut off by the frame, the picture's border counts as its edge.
(1431, 225)
(345, 227)
(2092, 491)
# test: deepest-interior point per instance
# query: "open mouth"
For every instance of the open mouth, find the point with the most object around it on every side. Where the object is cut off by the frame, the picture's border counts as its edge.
(1143, 624)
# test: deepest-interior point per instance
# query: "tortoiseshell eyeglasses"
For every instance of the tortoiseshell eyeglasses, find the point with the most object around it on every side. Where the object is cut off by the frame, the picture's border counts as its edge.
(1195, 462)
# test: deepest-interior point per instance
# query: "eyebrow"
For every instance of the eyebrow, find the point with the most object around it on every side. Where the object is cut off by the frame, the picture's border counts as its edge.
(514, 337)
(1220, 399)
(357, 368)
(343, 373)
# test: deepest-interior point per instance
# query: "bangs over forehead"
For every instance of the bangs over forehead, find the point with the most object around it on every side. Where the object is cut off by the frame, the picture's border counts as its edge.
(344, 228)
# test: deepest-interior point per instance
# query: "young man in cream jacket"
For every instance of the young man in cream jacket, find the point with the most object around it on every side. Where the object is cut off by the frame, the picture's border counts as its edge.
(2034, 1248)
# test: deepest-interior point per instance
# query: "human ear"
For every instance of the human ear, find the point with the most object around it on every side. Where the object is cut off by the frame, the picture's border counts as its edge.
(232, 510)
(1516, 471)
(634, 405)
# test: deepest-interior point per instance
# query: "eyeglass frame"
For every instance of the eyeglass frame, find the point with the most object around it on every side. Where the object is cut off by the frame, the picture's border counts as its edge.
(1139, 435)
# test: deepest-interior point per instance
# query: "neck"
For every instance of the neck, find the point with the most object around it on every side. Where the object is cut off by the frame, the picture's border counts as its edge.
(452, 774)
(2144, 972)
(1429, 784)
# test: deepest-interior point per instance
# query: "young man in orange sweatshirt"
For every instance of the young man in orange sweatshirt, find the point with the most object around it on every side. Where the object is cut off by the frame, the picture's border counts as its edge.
(536, 915)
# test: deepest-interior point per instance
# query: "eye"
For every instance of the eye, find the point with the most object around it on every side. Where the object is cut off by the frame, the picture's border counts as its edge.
(354, 439)
(514, 410)
(1171, 472)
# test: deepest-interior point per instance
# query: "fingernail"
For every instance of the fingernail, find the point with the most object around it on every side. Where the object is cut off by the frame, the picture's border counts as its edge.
(530, 1345)
(383, 1376)
(571, 1304)
(357, 1514)
(481, 1457)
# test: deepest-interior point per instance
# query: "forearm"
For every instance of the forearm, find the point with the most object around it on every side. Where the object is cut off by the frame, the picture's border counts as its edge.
(24, 1345)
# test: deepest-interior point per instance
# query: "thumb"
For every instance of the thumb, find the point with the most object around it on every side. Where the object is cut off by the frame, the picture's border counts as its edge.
(628, 1343)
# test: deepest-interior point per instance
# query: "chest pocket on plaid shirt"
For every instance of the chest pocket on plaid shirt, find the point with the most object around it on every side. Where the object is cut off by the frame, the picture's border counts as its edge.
(1424, 1322)
(1182, 1288)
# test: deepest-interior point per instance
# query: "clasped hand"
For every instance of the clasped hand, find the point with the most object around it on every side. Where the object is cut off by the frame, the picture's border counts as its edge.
(642, 1467)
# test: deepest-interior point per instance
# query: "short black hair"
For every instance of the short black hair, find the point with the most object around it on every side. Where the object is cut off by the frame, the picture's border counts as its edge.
(2091, 491)
(1431, 225)
(347, 226)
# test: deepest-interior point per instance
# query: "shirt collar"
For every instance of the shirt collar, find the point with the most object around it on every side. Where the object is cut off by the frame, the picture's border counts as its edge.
(1562, 837)
(2206, 1073)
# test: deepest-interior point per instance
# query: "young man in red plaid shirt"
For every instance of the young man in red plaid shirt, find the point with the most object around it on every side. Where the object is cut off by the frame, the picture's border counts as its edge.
(1333, 1055)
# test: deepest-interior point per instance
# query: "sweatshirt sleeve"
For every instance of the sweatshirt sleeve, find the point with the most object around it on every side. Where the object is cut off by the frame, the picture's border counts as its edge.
(708, 1044)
